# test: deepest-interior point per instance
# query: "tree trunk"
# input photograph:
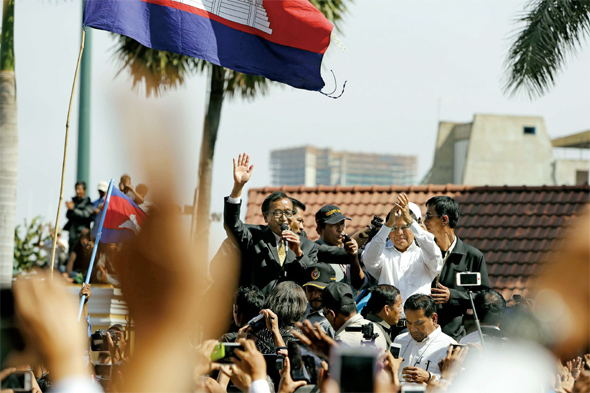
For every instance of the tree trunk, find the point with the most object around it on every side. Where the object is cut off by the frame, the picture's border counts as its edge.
(8, 145)
(206, 159)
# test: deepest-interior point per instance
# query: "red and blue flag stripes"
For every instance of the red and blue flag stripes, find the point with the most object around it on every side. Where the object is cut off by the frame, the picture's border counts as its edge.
(282, 40)
(122, 220)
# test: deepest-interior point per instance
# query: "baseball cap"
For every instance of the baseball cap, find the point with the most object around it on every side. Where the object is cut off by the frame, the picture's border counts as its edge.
(416, 210)
(336, 295)
(321, 275)
(330, 214)
(103, 186)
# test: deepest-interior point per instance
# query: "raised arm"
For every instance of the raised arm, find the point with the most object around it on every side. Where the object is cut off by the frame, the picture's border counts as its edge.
(431, 252)
(231, 211)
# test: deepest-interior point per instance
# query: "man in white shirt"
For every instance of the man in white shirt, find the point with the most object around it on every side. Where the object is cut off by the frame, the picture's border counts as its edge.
(490, 307)
(340, 311)
(424, 345)
(402, 253)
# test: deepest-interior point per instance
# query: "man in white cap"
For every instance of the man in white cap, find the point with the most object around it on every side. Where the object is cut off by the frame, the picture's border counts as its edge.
(403, 253)
(103, 187)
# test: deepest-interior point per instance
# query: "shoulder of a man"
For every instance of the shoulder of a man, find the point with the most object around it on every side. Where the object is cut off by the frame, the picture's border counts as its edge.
(402, 339)
(469, 249)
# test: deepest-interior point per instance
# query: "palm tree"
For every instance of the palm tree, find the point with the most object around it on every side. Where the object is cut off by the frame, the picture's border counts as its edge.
(552, 29)
(8, 144)
(161, 70)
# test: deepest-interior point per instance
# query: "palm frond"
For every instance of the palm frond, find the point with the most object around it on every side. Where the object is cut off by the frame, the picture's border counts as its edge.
(553, 28)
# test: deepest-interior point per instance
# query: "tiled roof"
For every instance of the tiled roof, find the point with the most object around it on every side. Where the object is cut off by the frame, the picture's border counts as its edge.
(515, 227)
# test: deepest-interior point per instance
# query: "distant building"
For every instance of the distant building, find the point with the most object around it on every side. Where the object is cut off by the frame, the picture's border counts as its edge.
(310, 166)
(499, 150)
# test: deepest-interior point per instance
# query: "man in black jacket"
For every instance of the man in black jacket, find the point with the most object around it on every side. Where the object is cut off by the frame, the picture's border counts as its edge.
(442, 214)
(269, 254)
(80, 213)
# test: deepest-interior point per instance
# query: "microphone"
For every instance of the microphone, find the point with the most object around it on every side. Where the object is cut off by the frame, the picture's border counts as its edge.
(285, 227)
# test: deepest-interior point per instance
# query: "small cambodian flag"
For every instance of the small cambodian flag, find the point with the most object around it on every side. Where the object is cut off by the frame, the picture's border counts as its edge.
(282, 40)
(123, 218)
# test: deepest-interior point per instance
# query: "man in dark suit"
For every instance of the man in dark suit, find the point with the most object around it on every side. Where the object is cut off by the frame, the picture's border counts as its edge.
(442, 214)
(268, 253)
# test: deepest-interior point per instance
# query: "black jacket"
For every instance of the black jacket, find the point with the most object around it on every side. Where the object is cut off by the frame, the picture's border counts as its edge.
(79, 218)
(260, 258)
(464, 258)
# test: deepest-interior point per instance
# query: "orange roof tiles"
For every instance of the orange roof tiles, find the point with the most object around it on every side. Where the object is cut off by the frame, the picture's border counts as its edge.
(515, 227)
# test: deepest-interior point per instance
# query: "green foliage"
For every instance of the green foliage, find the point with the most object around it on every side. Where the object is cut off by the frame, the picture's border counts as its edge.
(553, 28)
(26, 251)
(160, 71)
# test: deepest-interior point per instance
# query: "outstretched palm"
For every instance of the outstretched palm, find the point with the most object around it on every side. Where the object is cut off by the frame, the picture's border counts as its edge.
(242, 169)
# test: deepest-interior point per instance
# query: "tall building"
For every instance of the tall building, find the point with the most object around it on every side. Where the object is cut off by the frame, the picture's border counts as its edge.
(310, 166)
(497, 150)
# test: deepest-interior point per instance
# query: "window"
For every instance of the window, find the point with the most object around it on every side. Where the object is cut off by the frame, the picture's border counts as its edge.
(581, 177)
(529, 130)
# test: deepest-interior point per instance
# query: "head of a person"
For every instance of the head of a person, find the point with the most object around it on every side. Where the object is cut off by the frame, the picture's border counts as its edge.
(142, 190)
(338, 304)
(277, 209)
(331, 224)
(386, 303)
(125, 181)
(319, 276)
(80, 189)
(401, 235)
(288, 301)
(421, 316)
(298, 220)
(103, 187)
(86, 238)
(442, 212)
(248, 303)
(490, 307)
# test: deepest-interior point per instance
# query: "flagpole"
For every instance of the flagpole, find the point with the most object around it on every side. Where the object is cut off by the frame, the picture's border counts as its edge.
(63, 168)
(98, 236)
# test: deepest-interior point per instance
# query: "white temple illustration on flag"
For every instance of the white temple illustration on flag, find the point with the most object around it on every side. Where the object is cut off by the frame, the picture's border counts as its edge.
(246, 12)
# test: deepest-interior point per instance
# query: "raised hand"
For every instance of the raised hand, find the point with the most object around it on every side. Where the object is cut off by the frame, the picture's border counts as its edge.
(315, 338)
(403, 207)
(242, 169)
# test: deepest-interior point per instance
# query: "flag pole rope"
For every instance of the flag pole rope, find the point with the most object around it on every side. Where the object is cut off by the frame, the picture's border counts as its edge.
(63, 168)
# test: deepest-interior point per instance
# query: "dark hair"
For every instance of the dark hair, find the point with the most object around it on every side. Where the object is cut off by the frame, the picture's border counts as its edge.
(297, 204)
(445, 206)
(381, 296)
(275, 196)
(249, 300)
(490, 306)
(422, 302)
(346, 310)
(288, 301)
(81, 183)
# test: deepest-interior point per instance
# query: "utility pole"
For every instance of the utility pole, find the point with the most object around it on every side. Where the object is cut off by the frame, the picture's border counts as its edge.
(83, 168)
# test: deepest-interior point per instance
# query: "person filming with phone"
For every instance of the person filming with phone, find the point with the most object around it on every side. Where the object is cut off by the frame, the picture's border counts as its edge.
(424, 345)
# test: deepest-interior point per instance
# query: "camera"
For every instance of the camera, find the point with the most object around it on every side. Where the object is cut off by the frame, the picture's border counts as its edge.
(368, 331)
(468, 279)
(374, 227)
(223, 352)
(257, 323)
(100, 342)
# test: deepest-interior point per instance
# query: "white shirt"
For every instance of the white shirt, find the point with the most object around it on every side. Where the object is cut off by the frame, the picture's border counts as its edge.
(411, 271)
(355, 339)
(473, 337)
(425, 354)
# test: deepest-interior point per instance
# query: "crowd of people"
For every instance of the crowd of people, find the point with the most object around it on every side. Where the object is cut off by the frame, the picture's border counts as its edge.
(401, 304)
(72, 258)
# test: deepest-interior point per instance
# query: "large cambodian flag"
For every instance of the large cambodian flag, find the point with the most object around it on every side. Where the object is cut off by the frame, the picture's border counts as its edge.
(282, 40)
(123, 218)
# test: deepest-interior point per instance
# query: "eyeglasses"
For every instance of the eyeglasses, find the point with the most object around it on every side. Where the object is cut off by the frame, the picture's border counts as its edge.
(279, 213)
(428, 216)
(395, 229)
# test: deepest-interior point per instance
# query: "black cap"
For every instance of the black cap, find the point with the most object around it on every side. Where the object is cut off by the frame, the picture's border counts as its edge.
(336, 295)
(321, 275)
(330, 214)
